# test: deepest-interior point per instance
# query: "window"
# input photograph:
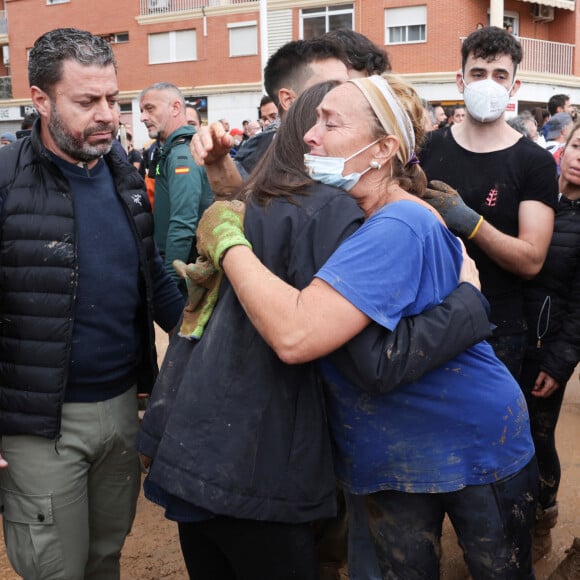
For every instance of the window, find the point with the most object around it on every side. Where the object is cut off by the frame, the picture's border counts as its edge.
(405, 25)
(115, 38)
(174, 46)
(511, 22)
(317, 21)
(120, 37)
(243, 38)
(49, 2)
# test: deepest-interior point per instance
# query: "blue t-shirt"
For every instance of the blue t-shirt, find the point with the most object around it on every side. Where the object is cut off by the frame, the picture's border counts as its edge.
(463, 424)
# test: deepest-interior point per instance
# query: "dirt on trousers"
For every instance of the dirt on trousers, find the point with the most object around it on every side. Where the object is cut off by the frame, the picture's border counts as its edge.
(152, 551)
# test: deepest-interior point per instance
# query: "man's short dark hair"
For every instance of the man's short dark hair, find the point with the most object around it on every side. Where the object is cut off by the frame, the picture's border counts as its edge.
(50, 50)
(265, 100)
(359, 53)
(557, 101)
(288, 67)
(192, 106)
(490, 42)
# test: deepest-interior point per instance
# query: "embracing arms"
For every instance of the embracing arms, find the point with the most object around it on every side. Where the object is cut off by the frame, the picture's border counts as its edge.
(301, 326)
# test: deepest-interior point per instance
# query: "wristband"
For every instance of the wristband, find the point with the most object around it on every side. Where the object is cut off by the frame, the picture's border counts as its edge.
(476, 228)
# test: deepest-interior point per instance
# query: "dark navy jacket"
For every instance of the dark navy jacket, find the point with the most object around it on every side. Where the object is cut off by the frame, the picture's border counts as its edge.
(252, 150)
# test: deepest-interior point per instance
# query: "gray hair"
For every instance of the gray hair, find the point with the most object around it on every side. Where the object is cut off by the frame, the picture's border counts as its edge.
(519, 124)
(164, 86)
(430, 111)
(56, 46)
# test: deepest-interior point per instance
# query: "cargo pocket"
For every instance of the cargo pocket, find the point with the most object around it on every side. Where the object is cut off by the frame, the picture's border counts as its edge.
(32, 543)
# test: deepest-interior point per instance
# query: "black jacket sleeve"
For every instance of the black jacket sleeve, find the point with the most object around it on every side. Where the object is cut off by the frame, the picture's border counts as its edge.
(563, 354)
(379, 361)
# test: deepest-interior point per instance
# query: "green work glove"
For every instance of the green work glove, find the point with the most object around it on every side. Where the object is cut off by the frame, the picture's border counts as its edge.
(203, 286)
(457, 215)
(220, 228)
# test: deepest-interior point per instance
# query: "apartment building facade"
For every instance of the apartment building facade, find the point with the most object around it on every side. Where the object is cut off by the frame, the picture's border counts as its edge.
(215, 50)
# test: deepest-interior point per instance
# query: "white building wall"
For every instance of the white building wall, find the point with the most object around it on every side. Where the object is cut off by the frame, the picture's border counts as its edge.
(235, 107)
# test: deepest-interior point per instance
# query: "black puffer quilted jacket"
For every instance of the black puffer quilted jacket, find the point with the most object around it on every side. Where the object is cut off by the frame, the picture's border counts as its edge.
(553, 298)
(38, 280)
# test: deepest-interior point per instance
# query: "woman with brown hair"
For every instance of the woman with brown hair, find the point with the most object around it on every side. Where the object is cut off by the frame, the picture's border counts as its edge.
(239, 439)
(456, 441)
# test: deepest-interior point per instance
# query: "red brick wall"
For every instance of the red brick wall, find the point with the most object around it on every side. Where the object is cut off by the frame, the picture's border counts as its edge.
(447, 22)
(213, 66)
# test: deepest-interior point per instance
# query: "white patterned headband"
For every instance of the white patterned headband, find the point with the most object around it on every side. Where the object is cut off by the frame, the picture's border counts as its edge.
(391, 115)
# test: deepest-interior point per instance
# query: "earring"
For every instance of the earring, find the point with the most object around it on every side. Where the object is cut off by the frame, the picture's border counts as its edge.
(375, 165)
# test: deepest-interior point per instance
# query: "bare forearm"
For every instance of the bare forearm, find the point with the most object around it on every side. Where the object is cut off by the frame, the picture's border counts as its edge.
(525, 254)
(223, 176)
(513, 254)
(299, 325)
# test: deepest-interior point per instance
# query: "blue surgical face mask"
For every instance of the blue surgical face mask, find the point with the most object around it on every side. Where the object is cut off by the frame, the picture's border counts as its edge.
(329, 170)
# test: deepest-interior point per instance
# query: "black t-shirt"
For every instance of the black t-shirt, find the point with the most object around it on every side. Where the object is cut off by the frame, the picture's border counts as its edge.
(494, 184)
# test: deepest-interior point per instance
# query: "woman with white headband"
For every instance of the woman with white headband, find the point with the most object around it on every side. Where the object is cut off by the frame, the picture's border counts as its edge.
(455, 441)
(240, 448)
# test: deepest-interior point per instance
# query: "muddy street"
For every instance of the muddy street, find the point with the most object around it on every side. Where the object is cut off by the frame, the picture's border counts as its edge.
(152, 550)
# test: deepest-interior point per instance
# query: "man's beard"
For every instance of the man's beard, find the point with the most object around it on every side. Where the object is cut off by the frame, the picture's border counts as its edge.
(78, 148)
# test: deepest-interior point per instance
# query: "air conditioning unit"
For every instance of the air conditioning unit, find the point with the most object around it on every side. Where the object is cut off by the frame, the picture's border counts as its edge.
(6, 55)
(542, 13)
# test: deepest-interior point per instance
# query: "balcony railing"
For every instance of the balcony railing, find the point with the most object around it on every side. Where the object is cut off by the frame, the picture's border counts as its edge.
(148, 7)
(3, 22)
(543, 56)
(5, 87)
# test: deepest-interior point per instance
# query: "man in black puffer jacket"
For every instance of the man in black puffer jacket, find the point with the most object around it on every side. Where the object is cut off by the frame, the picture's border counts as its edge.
(81, 284)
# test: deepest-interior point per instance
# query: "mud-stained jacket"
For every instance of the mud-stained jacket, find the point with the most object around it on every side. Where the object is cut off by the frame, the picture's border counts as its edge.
(552, 298)
(233, 430)
(38, 283)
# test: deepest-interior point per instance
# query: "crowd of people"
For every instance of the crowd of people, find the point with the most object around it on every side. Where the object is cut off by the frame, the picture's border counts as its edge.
(310, 267)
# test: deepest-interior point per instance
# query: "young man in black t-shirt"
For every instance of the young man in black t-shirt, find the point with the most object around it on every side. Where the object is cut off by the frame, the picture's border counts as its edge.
(506, 185)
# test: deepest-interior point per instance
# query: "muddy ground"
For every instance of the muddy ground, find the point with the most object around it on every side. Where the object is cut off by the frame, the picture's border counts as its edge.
(152, 552)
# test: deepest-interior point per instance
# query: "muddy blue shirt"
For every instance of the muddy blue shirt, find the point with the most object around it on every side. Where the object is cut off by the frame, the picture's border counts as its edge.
(463, 424)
